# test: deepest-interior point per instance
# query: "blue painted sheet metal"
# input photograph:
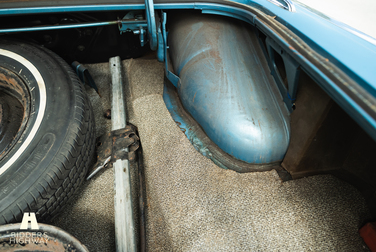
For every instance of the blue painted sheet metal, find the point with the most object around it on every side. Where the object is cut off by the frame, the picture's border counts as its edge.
(200, 140)
(188, 129)
(225, 85)
(346, 50)
(152, 27)
(353, 52)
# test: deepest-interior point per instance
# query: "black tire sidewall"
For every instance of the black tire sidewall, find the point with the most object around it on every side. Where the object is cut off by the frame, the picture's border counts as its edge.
(32, 165)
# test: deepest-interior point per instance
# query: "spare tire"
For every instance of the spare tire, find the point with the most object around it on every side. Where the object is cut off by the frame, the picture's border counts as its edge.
(46, 132)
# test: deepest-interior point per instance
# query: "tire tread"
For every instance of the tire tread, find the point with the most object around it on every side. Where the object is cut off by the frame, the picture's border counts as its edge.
(68, 168)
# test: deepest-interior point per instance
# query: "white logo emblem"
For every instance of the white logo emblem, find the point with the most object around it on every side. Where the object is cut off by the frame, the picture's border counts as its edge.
(29, 217)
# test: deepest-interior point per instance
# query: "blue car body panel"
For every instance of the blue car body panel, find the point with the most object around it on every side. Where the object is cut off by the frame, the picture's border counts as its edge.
(337, 46)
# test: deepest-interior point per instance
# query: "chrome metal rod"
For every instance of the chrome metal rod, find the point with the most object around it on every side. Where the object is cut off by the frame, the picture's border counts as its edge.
(124, 223)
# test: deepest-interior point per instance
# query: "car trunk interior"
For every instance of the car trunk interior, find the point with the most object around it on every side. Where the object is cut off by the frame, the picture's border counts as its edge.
(316, 199)
(192, 204)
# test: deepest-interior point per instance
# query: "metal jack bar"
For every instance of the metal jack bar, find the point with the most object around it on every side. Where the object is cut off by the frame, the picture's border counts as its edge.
(124, 224)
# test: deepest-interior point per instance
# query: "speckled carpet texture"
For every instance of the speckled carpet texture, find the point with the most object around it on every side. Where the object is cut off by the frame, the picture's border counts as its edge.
(193, 205)
(90, 215)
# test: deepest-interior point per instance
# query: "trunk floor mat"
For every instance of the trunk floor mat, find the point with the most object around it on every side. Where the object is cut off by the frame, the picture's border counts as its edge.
(193, 205)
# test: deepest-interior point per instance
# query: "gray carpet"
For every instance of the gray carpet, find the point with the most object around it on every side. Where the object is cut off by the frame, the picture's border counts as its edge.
(193, 205)
(90, 215)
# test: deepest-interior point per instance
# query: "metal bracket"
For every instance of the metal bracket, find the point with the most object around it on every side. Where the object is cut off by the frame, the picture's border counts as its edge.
(292, 69)
(118, 144)
(170, 75)
(134, 23)
(85, 76)
(157, 36)
(152, 27)
(138, 24)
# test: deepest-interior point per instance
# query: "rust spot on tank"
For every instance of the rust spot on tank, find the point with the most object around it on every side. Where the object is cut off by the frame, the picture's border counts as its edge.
(215, 55)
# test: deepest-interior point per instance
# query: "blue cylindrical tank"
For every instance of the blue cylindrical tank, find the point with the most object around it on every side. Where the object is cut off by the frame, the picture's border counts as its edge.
(225, 84)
